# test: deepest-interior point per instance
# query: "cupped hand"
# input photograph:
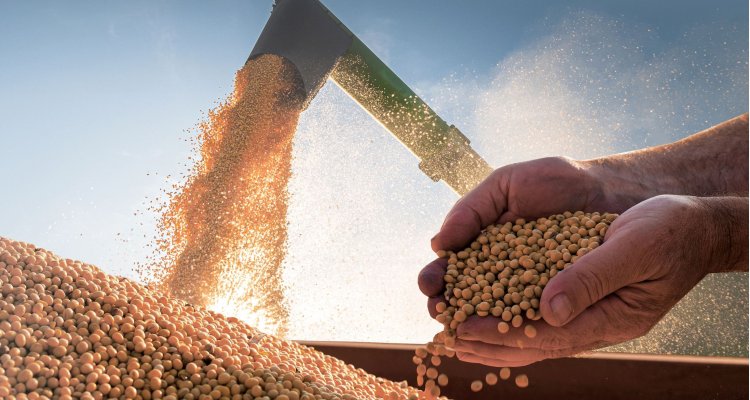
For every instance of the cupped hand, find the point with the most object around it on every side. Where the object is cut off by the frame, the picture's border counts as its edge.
(529, 189)
(652, 255)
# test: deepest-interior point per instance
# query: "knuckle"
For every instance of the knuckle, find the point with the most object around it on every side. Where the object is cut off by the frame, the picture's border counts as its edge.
(628, 323)
(557, 353)
(594, 285)
(641, 329)
(430, 278)
(426, 276)
(555, 342)
(561, 159)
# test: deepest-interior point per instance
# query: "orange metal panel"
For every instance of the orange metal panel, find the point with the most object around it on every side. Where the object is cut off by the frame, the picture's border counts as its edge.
(592, 376)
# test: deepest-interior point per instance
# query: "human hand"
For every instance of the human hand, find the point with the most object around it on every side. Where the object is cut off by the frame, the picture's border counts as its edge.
(525, 190)
(652, 255)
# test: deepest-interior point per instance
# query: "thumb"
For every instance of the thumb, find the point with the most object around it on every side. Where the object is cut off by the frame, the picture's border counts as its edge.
(590, 279)
(482, 206)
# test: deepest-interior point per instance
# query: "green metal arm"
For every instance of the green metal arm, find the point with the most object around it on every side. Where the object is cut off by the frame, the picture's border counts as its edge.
(320, 46)
(444, 151)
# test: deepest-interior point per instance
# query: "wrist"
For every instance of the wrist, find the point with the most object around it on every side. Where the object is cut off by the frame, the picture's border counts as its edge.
(620, 185)
(726, 218)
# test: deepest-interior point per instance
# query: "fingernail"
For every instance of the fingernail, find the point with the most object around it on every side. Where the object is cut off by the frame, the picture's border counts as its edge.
(561, 309)
(434, 244)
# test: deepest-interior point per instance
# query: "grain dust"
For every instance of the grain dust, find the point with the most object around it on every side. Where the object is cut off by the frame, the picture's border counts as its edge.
(223, 234)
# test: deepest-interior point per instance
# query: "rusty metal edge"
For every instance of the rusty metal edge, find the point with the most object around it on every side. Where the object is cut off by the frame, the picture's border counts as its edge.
(597, 355)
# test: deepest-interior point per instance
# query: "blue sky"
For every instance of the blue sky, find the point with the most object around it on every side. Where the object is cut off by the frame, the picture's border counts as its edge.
(97, 100)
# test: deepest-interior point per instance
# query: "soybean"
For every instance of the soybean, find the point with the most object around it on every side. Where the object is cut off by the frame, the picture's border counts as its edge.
(503, 272)
(522, 381)
(109, 337)
(529, 331)
(504, 373)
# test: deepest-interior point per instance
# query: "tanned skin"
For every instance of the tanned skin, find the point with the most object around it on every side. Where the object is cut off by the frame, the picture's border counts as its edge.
(684, 214)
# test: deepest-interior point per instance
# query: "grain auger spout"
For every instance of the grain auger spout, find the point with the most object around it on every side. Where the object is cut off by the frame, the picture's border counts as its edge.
(321, 47)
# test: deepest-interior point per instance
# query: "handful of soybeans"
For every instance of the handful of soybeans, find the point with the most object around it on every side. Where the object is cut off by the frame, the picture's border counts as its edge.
(503, 272)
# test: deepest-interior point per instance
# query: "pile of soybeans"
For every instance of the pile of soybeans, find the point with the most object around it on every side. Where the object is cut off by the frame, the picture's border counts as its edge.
(502, 275)
(69, 330)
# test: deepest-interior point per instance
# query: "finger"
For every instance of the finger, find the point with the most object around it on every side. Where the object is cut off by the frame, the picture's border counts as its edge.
(609, 321)
(485, 329)
(489, 361)
(547, 337)
(508, 216)
(503, 356)
(430, 278)
(503, 353)
(480, 207)
(432, 302)
(593, 277)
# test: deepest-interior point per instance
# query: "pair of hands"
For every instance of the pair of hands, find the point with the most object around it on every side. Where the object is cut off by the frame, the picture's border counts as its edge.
(652, 255)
